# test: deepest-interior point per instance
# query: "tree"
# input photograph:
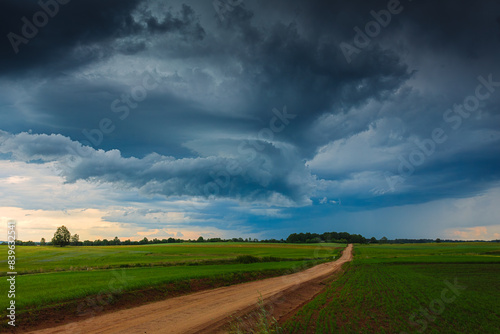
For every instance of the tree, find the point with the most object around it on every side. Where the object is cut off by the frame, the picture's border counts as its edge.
(200, 239)
(383, 240)
(438, 240)
(74, 240)
(292, 238)
(116, 241)
(61, 237)
(357, 239)
(42, 242)
(373, 240)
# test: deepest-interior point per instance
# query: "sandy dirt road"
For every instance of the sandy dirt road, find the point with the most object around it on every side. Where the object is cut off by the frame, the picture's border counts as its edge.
(201, 312)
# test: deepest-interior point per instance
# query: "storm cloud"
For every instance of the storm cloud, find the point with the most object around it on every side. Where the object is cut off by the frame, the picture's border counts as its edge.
(259, 103)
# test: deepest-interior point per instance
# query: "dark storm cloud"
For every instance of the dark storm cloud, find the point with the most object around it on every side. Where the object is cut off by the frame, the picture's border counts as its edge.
(223, 78)
(308, 71)
(300, 62)
(467, 28)
(80, 32)
(186, 21)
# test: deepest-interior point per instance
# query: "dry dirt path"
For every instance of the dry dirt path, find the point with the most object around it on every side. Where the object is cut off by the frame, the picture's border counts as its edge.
(201, 312)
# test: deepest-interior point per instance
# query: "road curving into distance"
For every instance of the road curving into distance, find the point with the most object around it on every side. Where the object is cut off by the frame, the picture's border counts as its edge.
(205, 311)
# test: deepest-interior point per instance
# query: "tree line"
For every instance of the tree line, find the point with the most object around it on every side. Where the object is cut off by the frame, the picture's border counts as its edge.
(62, 237)
(339, 237)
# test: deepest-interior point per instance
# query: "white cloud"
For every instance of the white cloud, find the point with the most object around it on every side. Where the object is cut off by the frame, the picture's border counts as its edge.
(369, 150)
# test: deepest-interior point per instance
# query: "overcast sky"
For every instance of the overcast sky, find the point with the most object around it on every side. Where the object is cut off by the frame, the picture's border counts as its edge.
(251, 118)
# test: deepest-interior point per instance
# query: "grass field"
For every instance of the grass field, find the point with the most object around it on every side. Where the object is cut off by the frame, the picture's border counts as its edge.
(32, 259)
(417, 288)
(53, 275)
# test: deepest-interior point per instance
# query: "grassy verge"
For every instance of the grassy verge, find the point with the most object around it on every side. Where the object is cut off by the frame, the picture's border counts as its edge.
(257, 322)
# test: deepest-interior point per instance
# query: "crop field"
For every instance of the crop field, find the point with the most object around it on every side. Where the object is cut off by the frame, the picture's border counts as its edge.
(417, 288)
(52, 275)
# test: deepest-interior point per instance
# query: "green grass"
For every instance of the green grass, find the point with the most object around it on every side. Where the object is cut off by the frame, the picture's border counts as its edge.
(30, 259)
(389, 288)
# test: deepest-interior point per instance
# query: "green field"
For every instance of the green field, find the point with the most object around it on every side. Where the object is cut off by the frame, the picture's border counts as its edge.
(412, 288)
(53, 274)
(32, 259)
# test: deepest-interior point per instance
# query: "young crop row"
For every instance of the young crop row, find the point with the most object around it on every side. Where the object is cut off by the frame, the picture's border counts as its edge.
(376, 296)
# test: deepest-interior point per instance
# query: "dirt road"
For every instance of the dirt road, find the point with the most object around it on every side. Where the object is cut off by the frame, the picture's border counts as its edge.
(201, 312)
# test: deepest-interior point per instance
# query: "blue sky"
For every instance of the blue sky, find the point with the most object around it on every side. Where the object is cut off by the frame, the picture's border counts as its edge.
(250, 118)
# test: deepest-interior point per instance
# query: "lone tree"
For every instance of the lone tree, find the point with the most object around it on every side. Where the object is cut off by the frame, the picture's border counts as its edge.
(42, 242)
(61, 237)
(74, 240)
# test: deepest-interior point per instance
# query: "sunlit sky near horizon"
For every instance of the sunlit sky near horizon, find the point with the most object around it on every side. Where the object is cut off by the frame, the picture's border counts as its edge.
(240, 118)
